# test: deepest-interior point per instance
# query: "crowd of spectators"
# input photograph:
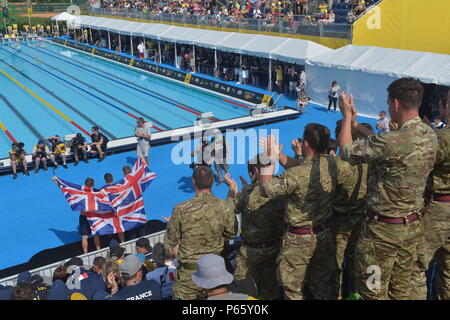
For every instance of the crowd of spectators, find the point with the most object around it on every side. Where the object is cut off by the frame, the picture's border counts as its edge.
(284, 209)
(272, 11)
(287, 78)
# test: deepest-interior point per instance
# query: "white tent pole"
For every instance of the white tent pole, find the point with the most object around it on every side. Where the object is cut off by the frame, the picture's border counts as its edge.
(176, 54)
(131, 44)
(193, 47)
(159, 49)
(145, 47)
(120, 44)
(109, 41)
(215, 59)
(270, 75)
(90, 33)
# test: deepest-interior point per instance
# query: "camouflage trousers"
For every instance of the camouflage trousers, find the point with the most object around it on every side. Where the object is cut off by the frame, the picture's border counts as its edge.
(184, 288)
(344, 232)
(259, 265)
(434, 244)
(384, 259)
(302, 262)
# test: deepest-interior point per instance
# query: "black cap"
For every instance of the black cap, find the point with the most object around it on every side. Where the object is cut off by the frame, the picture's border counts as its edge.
(117, 252)
(144, 243)
(75, 261)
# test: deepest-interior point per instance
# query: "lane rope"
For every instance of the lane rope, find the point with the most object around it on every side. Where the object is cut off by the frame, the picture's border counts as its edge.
(74, 85)
(103, 93)
(10, 136)
(71, 107)
(45, 102)
(158, 96)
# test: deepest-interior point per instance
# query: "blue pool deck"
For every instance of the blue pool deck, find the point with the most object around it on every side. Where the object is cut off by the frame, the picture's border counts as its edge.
(35, 215)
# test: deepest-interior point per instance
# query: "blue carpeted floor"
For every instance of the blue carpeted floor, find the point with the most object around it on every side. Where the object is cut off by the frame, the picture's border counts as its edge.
(35, 215)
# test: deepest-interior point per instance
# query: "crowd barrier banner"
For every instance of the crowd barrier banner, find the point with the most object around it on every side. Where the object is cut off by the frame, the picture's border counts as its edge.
(406, 24)
(193, 79)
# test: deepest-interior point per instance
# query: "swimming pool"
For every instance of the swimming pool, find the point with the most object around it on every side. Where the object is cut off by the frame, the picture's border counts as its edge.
(47, 89)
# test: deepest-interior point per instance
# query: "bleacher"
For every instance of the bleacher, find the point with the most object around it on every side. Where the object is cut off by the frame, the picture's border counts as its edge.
(341, 10)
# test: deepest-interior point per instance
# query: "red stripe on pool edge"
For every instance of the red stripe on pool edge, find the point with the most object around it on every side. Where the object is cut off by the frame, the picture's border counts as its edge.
(236, 103)
(10, 136)
(76, 125)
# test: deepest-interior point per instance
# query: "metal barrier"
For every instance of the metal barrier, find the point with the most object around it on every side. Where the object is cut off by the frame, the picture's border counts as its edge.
(299, 27)
(46, 272)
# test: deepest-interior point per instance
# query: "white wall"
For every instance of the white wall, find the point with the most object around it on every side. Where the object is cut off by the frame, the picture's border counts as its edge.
(368, 89)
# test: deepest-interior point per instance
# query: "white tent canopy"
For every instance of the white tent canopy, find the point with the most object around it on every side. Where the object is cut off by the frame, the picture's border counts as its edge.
(296, 50)
(63, 16)
(424, 66)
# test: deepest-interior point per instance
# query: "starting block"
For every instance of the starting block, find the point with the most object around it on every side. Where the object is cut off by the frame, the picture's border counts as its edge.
(257, 110)
(205, 119)
(68, 139)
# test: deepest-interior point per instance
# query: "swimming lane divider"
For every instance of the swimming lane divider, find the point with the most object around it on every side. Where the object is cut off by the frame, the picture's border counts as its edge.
(101, 92)
(71, 107)
(44, 102)
(35, 132)
(134, 87)
(74, 85)
(10, 136)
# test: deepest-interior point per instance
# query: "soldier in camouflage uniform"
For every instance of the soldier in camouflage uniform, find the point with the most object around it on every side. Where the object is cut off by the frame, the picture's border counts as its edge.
(399, 164)
(436, 220)
(308, 190)
(197, 227)
(349, 206)
(262, 228)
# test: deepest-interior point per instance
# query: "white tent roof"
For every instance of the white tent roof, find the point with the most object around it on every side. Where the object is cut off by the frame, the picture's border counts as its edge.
(294, 49)
(63, 16)
(425, 66)
(287, 49)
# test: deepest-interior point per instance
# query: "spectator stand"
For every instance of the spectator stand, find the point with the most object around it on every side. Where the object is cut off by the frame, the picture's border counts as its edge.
(46, 272)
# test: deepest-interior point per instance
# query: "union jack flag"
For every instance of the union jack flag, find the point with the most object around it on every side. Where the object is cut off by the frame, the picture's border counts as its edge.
(84, 198)
(126, 218)
(130, 189)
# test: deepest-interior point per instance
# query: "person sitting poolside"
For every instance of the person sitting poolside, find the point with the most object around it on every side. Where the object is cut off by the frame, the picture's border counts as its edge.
(99, 143)
(58, 150)
(17, 156)
(40, 153)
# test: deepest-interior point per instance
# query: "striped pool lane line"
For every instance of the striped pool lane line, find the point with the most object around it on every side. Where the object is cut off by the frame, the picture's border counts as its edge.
(45, 103)
(10, 136)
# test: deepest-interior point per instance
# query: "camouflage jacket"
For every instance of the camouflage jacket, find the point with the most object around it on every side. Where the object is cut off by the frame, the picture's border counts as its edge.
(399, 164)
(308, 190)
(351, 188)
(441, 171)
(262, 218)
(199, 226)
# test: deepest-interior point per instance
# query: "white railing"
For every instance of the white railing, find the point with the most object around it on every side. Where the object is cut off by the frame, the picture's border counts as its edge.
(46, 272)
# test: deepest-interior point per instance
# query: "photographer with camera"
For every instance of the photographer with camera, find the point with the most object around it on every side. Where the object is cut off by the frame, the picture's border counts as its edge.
(79, 144)
(143, 132)
(40, 154)
(17, 155)
(58, 150)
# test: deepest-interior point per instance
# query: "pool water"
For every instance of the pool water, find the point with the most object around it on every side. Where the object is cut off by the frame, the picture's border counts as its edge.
(47, 89)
